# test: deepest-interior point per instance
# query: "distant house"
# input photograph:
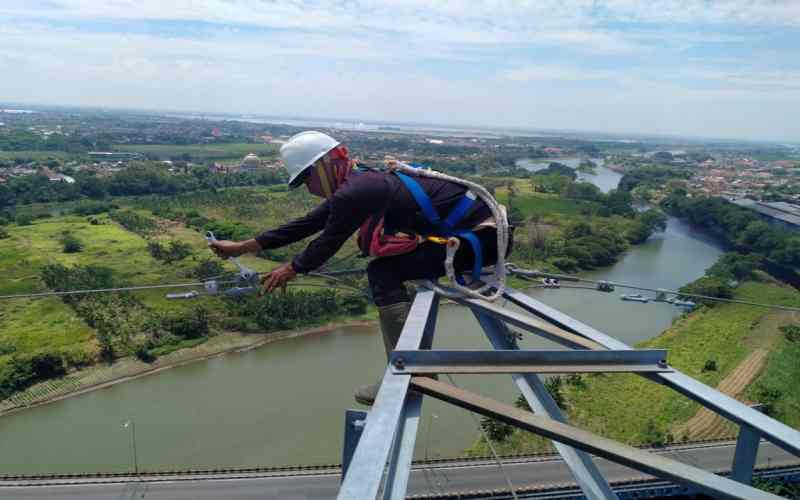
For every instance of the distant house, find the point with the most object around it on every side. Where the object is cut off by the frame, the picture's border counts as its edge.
(250, 163)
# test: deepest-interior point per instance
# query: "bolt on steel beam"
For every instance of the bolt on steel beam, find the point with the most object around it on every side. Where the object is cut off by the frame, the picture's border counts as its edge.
(649, 463)
(365, 474)
(770, 429)
(529, 361)
(354, 421)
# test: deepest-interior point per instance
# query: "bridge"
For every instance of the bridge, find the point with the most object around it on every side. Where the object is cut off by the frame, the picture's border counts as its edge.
(533, 476)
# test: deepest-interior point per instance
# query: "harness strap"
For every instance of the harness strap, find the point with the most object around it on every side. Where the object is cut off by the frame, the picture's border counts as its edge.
(447, 226)
(477, 252)
(460, 210)
(422, 199)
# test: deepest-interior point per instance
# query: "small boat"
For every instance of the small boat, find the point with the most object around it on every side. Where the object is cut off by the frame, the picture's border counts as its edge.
(635, 297)
(684, 303)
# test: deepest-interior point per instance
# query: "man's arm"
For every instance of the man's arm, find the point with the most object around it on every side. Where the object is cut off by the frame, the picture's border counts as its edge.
(348, 211)
(296, 230)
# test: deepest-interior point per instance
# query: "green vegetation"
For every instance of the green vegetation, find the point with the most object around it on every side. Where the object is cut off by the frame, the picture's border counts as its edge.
(200, 152)
(138, 179)
(776, 387)
(612, 405)
(738, 227)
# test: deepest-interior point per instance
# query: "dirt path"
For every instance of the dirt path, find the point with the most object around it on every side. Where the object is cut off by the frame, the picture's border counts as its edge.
(125, 369)
(706, 424)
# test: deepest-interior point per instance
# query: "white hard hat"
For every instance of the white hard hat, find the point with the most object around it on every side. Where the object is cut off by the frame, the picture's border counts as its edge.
(302, 150)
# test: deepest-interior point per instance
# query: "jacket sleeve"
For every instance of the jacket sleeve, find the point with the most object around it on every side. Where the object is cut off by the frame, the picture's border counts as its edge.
(296, 230)
(348, 210)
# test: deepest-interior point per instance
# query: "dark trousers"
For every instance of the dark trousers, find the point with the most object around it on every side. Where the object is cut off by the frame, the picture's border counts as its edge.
(388, 274)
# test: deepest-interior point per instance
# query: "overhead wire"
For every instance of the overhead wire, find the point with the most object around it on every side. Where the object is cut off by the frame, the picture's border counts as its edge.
(567, 277)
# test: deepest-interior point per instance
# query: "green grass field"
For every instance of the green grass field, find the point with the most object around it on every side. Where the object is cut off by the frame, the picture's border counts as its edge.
(203, 151)
(32, 325)
(40, 155)
(613, 405)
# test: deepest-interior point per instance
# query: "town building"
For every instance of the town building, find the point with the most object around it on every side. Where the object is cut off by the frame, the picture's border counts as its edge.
(250, 163)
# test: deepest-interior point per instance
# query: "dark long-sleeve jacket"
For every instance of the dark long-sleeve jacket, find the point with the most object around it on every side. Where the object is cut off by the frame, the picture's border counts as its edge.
(362, 195)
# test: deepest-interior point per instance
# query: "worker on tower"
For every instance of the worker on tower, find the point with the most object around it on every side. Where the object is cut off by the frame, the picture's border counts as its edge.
(386, 211)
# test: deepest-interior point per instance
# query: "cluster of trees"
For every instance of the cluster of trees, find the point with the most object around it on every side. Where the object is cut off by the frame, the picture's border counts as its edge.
(295, 308)
(720, 278)
(584, 244)
(174, 251)
(134, 221)
(20, 139)
(741, 229)
(560, 179)
(651, 176)
(123, 325)
(136, 180)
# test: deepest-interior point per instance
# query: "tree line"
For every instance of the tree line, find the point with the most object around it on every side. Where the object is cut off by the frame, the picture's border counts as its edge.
(136, 180)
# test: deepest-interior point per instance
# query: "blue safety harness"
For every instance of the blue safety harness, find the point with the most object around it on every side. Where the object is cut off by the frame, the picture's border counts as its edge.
(447, 227)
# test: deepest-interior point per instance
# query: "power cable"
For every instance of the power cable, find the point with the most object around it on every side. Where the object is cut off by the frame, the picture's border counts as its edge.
(566, 277)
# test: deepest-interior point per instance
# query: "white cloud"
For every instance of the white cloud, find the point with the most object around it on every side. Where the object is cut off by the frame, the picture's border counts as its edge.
(479, 62)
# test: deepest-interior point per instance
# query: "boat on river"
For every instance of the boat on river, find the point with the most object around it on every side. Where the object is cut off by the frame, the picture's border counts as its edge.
(635, 297)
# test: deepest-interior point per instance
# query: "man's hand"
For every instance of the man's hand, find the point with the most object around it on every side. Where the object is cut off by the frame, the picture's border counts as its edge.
(226, 248)
(278, 277)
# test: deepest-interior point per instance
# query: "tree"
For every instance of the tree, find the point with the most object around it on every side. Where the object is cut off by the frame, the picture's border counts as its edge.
(711, 286)
(733, 265)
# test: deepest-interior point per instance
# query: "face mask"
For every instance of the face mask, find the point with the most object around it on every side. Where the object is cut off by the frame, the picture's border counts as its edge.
(319, 180)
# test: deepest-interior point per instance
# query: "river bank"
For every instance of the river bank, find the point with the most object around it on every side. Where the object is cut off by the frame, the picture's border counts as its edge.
(130, 368)
(725, 347)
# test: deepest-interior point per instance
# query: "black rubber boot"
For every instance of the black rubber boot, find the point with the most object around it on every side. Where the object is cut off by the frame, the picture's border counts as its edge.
(392, 319)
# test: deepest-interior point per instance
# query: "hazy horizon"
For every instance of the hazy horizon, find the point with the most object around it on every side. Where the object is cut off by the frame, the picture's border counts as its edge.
(725, 70)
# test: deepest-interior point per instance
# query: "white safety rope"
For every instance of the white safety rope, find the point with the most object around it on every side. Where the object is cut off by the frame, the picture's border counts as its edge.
(456, 289)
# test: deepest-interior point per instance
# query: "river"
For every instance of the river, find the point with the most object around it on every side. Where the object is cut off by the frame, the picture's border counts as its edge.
(284, 403)
(603, 177)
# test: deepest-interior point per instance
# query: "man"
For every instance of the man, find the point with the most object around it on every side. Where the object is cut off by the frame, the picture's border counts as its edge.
(352, 199)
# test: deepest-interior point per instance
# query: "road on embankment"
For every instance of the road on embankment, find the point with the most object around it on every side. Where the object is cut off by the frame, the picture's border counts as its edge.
(436, 479)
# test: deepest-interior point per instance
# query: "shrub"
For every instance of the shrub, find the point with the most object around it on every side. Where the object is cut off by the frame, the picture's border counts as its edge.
(134, 222)
(353, 304)
(3, 234)
(93, 208)
(554, 385)
(710, 365)
(6, 349)
(143, 353)
(768, 397)
(207, 268)
(177, 250)
(193, 324)
(71, 244)
(652, 435)
(24, 219)
(496, 430)
(792, 332)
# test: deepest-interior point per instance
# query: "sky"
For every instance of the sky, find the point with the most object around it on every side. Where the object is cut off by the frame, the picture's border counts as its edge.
(705, 68)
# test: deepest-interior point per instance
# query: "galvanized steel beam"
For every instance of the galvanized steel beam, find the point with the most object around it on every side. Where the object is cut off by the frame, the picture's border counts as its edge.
(529, 361)
(544, 329)
(780, 434)
(399, 468)
(354, 421)
(365, 475)
(649, 463)
(583, 469)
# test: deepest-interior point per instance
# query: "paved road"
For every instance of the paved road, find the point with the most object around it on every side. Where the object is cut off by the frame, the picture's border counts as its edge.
(447, 477)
